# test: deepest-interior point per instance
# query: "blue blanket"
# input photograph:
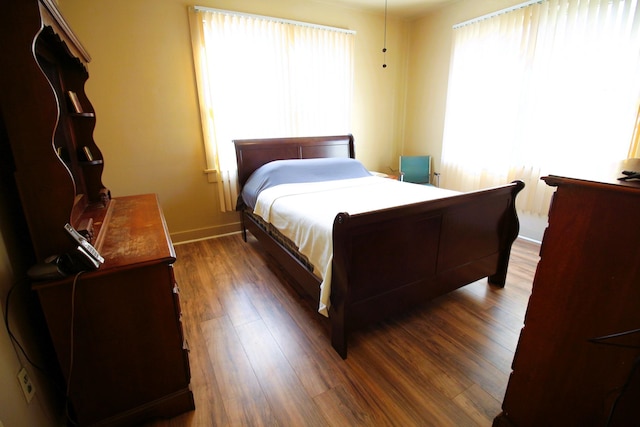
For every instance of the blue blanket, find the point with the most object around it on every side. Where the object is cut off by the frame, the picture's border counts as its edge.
(298, 171)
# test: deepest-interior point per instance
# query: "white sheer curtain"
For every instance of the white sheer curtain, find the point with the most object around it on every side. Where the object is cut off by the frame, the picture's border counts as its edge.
(262, 77)
(539, 88)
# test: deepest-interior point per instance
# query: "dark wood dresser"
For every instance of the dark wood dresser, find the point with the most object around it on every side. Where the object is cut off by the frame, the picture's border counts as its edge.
(116, 330)
(578, 356)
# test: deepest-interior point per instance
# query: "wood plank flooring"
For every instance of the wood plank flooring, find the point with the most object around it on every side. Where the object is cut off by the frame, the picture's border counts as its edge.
(261, 355)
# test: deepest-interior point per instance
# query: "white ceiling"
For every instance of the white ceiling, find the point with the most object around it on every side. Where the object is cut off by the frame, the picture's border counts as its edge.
(402, 8)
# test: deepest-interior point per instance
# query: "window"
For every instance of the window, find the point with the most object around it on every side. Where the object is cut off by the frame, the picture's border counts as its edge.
(265, 77)
(540, 88)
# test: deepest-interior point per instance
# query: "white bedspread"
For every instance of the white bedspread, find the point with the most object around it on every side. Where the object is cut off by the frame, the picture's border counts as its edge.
(305, 212)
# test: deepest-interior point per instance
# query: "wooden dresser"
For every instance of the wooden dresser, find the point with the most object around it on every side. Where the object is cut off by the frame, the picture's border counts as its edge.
(578, 356)
(117, 329)
(122, 323)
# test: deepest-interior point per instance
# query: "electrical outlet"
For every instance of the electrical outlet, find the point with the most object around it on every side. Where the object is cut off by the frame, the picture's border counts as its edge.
(27, 386)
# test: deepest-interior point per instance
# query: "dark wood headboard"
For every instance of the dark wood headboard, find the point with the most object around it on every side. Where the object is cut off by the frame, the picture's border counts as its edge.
(253, 153)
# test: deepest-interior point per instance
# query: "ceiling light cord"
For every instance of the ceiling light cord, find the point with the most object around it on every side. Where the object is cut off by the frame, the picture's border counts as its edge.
(384, 47)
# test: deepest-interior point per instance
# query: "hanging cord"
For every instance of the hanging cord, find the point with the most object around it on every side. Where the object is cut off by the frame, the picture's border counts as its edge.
(50, 377)
(71, 348)
(384, 46)
(12, 336)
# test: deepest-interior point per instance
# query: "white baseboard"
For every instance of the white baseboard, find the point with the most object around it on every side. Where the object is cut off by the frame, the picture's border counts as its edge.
(182, 237)
(532, 226)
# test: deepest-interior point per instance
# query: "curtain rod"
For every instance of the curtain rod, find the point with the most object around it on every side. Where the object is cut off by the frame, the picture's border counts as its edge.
(272, 19)
(499, 12)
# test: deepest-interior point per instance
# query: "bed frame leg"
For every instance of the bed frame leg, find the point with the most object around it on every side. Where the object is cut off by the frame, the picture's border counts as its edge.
(244, 229)
(339, 344)
(511, 233)
(500, 277)
(338, 333)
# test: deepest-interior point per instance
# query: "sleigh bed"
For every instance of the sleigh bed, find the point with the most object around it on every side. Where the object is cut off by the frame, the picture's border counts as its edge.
(387, 260)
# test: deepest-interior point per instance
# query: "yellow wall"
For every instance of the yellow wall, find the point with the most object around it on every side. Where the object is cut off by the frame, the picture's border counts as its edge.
(143, 89)
(15, 257)
(14, 409)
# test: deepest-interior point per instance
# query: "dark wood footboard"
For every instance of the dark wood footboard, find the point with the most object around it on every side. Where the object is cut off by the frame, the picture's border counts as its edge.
(385, 262)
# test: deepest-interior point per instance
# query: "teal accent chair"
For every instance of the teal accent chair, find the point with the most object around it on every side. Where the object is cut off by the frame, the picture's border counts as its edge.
(416, 169)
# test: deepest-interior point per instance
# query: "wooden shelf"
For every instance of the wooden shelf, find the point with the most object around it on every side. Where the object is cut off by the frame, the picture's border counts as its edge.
(91, 163)
(129, 364)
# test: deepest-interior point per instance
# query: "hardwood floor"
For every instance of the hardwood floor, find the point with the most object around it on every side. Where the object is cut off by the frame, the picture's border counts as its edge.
(261, 355)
